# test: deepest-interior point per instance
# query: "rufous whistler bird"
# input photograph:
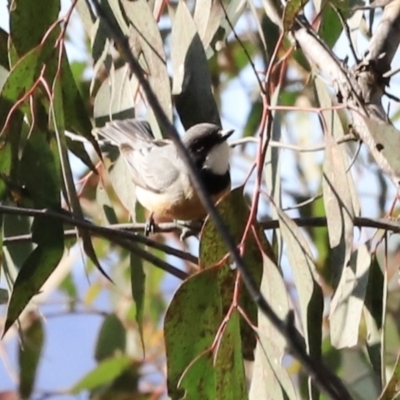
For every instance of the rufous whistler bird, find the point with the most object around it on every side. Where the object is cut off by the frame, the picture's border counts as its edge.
(163, 184)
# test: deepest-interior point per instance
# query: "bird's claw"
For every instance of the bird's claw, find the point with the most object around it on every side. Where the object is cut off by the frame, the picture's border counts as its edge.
(150, 226)
(189, 229)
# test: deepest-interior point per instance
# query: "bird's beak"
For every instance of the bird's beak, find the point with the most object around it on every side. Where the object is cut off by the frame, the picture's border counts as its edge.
(226, 133)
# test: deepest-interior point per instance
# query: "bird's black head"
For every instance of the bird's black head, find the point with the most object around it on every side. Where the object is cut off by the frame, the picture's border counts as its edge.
(208, 147)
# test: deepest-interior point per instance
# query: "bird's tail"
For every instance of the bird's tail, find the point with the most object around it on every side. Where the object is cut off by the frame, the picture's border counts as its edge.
(126, 131)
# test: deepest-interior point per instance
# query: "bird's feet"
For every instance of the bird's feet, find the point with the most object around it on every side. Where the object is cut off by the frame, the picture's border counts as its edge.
(189, 228)
(150, 226)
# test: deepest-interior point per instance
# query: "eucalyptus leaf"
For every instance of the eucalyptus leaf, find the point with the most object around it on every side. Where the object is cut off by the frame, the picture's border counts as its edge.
(111, 340)
(123, 185)
(145, 29)
(138, 285)
(29, 354)
(348, 301)
(191, 85)
(309, 291)
(387, 142)
(115, 98)
(30, 21)
(104, 373)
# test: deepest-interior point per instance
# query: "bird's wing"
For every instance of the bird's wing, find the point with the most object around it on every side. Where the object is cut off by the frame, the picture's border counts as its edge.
(148, 158)
(153, 167)
(127, 131)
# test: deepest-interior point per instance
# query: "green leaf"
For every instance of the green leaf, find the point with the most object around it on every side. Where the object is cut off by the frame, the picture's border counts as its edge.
(19, 81)
(15, 225)
(138, 284)
(76, 115)
(191, 84)
(123, 387)
(111, 340)
(57, 119)
(253, 119)
(30, 21)
(290, 12)
(23, 75)
(192, 320)
(374, 311)
(104, 373)
(29, 354)
(191, 324)
(331, 27)
(4, 49)
(4, 296)
(235, 212)
(37, 267)
(229, 368)
(70, 289)
(38, 171)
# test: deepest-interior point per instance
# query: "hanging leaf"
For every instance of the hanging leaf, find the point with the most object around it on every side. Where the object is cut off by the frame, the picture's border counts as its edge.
(374, 312)
(104, 373)
(211, 21)
(309, 292)
(190, 331)
(235, 212)
(138, 284)
(29, 354)
(115, 98)
(30, 22)
(144, 28)
(348, 301)
(111, 340)
(191, 84)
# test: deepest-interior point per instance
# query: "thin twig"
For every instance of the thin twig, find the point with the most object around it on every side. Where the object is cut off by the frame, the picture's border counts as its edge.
(246, 53)
(320, 222)
(346, 29)
(287, 146)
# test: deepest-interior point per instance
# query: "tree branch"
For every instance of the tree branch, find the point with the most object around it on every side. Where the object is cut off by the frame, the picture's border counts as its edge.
(121, 237)
(362, 87)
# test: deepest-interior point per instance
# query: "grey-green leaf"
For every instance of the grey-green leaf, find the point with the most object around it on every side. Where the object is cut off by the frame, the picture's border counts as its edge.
(195, 102)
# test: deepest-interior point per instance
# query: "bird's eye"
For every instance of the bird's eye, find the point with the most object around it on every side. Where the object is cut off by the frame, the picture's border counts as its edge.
(199, 149)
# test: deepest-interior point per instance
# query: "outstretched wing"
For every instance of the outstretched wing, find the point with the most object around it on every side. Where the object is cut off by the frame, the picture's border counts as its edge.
(150, 160)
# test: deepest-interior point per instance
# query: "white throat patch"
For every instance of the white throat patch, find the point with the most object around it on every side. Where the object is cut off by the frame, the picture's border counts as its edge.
(217, 160)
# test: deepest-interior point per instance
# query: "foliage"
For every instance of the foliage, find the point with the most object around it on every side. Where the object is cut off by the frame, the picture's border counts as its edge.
(301, 214)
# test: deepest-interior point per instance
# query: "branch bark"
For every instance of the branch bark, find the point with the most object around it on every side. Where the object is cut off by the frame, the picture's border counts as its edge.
(360, 88)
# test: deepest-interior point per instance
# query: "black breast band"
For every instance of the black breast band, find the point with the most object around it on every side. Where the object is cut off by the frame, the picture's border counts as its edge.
(215, 183)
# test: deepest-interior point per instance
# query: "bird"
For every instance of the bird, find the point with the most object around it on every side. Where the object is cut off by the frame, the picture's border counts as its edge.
(162, 181)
